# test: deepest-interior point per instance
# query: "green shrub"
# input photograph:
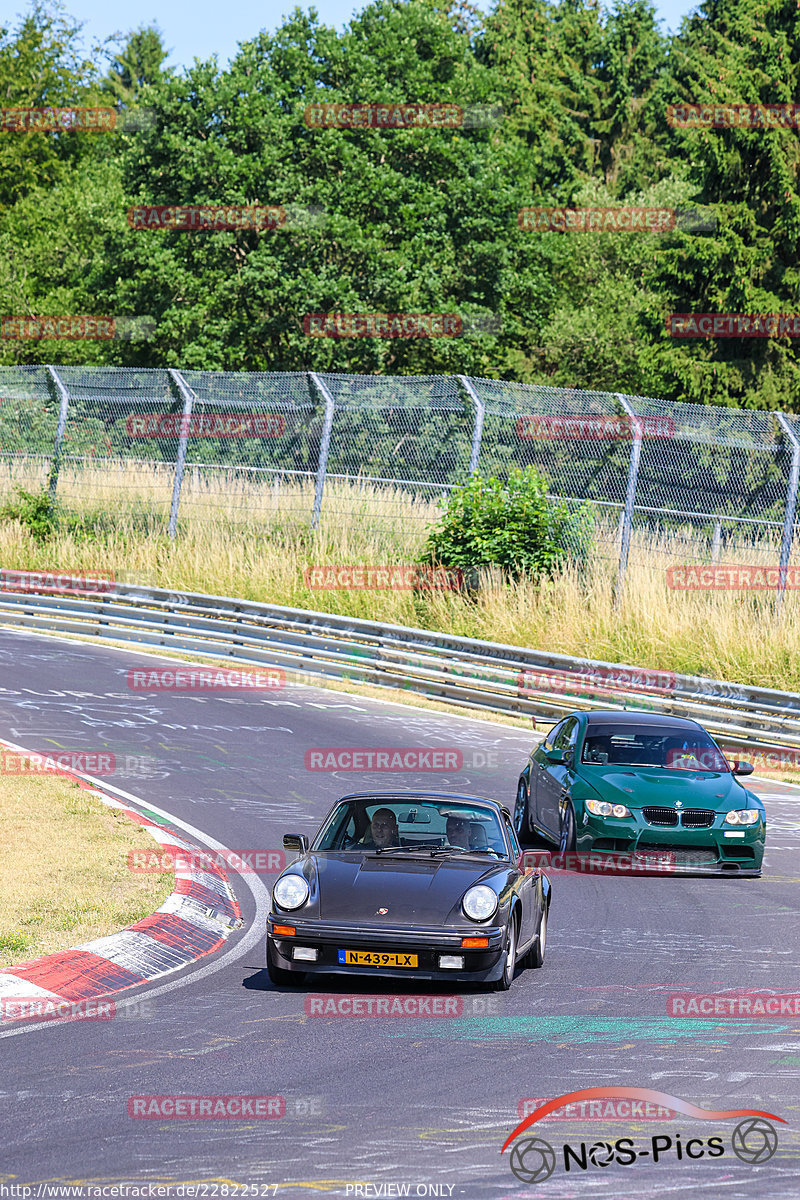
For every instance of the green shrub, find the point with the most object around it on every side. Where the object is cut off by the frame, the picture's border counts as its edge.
(511, 525)
(34, 511)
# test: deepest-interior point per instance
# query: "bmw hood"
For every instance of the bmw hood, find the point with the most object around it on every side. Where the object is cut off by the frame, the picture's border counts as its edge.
(414, 889)
(664, 788)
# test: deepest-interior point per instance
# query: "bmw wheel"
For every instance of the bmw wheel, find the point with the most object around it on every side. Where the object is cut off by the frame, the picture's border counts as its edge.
(522, 823)
(567, 840)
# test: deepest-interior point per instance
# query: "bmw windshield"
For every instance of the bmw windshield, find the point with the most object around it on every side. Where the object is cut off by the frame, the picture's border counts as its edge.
(668, 747)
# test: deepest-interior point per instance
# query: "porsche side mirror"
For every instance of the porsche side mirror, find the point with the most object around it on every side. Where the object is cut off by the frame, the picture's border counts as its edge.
(555, 756)
(742, 768)
(295, 841)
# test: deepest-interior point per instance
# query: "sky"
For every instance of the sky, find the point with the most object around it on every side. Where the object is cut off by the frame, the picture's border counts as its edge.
(203, 27)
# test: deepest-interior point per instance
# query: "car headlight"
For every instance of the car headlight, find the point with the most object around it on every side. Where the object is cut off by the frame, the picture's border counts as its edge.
(479, 902)
(291, 891)
(601, 808)
(742, 816)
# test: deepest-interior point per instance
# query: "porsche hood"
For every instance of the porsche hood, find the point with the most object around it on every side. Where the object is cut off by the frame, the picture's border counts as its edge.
(413, 889)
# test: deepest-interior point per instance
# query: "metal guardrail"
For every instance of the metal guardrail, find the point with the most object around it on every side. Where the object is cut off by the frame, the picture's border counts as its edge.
(463, 671)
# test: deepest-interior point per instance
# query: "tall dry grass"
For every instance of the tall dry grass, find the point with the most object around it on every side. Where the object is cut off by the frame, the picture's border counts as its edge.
(252, 540)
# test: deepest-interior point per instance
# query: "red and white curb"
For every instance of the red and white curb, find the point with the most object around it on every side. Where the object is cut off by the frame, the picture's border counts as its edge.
(194, 921)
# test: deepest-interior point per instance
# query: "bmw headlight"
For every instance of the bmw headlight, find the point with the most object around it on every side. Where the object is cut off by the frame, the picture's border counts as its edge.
(479, 902)
(291, 891)
(742, 816)
(601, 808)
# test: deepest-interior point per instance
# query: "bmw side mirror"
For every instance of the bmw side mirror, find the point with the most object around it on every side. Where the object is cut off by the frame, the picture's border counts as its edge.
(295, 841)
(742, 768)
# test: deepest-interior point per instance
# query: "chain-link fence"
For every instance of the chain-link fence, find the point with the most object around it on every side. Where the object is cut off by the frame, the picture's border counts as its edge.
(302, 447)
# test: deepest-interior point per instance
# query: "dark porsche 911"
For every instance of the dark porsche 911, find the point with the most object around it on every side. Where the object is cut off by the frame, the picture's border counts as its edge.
(409, 885)
(639, 783)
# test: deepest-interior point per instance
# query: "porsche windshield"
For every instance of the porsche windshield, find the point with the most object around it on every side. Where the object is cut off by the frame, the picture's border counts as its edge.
(652, 746)
(412, 825)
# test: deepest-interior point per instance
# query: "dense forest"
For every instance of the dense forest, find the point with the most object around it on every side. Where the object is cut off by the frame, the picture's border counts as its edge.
(420, 219)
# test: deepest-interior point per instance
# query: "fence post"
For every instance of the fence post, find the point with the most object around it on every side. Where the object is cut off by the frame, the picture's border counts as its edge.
(188, 397)
(63, 409)
(324, 446)
(791, 502)
(477, 429)
(716, 541)
(630, 496)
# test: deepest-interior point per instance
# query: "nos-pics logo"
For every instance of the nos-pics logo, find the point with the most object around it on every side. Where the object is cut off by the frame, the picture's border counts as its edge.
(533, 1159)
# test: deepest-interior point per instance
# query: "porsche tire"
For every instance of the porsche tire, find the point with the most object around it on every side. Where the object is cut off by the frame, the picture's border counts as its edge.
(509, 959)
(278, 975)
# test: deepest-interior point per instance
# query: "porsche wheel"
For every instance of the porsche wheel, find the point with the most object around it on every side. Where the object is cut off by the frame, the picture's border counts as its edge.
(539, 946)
(510, 960)
(278, 975)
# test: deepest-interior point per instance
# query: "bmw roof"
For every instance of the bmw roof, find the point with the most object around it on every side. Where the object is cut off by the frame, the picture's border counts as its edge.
(633, 716)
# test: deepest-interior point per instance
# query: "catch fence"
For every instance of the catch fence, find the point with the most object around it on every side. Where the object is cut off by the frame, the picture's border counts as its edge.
(304, 447)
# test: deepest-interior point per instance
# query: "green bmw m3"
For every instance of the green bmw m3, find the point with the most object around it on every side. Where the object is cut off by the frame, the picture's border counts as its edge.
(641, 784)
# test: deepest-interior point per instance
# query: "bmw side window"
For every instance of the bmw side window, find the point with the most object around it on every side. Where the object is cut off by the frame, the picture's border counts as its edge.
(553, 735)
(568, 735)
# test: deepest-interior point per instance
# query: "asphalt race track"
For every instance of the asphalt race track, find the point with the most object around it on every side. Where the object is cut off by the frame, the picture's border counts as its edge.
(422, 1104)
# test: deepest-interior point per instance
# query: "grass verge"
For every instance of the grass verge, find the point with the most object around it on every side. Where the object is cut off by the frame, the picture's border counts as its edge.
(238, 539)
(64, 878)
